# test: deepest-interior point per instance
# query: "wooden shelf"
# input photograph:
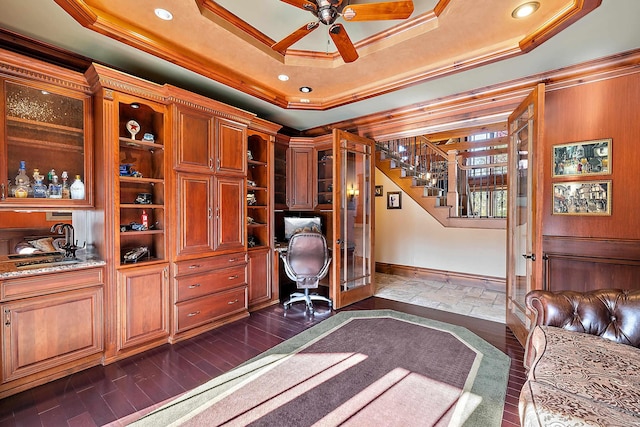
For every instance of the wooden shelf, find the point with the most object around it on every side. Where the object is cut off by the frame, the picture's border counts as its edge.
(42, 144)
(140, 180)
(140, 206)
(137, 144)
(49, 127)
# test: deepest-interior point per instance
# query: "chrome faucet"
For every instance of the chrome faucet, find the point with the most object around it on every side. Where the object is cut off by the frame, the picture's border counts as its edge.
(70, 244)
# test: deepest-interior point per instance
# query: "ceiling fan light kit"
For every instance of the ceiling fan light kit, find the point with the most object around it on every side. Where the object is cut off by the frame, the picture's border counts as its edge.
(328, 11)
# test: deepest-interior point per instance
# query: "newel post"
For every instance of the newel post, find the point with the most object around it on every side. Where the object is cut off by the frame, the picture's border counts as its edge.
(452, 184)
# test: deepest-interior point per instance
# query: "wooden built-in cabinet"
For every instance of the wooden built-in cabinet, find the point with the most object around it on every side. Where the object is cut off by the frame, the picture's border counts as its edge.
(208, 292)
(261, 143)
(53, 325)
(209, 260)
(45, 122)
(132, 160)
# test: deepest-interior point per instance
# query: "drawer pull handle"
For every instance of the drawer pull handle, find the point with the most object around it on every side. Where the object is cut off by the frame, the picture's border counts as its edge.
(233, 259)
(233, 277)
(233, 302)
(192, 266)
(195, 285)
(195, 313)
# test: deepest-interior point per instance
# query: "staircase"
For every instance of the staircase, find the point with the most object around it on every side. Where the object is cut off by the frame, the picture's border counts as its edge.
(422, 171)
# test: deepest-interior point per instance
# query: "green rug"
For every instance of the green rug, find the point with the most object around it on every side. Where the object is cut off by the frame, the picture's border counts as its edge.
(367, 368)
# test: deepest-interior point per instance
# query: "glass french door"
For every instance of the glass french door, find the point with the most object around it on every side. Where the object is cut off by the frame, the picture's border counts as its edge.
(523, 266)
(353, 219)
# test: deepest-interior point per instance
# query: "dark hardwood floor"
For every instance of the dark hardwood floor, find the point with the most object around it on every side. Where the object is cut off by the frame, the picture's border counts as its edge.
(121, 392)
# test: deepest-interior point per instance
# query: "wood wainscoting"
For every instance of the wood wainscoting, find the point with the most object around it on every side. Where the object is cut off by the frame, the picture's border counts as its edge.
(585, 264)
(497, 284)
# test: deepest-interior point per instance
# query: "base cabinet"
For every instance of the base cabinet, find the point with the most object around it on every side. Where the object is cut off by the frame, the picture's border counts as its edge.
(53, 325)
(208, 292)
(143, 295)
(260, 284)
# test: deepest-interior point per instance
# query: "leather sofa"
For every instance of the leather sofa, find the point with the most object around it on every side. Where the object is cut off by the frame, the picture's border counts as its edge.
(583, 359)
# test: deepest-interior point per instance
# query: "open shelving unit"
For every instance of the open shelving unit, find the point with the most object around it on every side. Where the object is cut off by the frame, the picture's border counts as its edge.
(258, 192)
(143, 172)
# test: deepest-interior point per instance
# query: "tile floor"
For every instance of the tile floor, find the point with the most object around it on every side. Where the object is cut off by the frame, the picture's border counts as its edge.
(470, 301)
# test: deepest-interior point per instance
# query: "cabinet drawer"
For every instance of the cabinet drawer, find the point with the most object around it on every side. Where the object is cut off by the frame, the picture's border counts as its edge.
(40, 284)
(211, 263)
(202, 310)
(197, 285)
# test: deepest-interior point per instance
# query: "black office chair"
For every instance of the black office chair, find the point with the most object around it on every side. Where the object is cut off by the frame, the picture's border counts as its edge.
(306, 262)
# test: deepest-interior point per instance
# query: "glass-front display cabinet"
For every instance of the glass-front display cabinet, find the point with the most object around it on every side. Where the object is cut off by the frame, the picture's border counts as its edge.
(46, 146)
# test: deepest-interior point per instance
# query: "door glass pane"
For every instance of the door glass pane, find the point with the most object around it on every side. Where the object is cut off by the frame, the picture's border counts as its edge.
(521, 135)
(355, 214)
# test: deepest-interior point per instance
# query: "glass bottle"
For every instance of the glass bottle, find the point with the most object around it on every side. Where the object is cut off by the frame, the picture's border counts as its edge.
(22, 187)
(39, 189)
(55, 188)
(77, 188)
(66, 191)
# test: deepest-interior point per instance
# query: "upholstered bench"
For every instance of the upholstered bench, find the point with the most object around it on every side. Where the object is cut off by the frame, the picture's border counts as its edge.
(583, 359)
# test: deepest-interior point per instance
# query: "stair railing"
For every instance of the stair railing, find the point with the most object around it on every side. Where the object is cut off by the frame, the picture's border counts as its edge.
(478, 188)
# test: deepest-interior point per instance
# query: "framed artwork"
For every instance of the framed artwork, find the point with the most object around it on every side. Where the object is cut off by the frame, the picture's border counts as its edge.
(582, 158)
(378, 190)
(394, 200)
(582, 198)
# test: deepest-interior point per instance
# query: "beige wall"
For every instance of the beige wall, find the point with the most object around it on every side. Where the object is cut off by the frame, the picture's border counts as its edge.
(412, 237)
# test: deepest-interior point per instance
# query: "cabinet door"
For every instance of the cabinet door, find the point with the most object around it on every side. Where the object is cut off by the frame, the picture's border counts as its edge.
(299, 178)
(259, 277)
(231, 147)
(45, 130)
(143, 296)
(230, 214)
(49, 332)
(194, 148)
(195, 210)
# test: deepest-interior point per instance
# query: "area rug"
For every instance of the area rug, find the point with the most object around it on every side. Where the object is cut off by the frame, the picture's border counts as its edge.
(357, 368)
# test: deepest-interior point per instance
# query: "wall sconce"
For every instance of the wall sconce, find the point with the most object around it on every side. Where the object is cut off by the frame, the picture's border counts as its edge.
(352, 192)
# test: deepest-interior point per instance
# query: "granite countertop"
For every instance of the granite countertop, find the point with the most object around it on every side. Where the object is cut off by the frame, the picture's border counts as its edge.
(50, 269)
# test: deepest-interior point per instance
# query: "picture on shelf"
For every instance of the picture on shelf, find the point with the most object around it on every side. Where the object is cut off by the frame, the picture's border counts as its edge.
(582, 198)
(394, 200)
(582, 158)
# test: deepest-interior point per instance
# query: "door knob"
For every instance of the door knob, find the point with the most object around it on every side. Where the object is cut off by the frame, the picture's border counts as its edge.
(532, 257)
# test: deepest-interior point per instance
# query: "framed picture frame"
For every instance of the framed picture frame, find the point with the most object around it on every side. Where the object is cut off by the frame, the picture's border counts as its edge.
(379, 191)
(394, 200)
(582, 198)
(582, 158)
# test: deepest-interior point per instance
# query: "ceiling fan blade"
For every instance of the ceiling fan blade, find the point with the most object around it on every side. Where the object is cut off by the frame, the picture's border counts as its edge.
(303, 4)
(343, 43)
(283, 44)
(378, 11)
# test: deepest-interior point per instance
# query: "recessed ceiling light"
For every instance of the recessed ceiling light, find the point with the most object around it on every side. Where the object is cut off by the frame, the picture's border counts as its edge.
(304, 100)
(283, 77)
(525, 9)
(163, 14)
(305, 89)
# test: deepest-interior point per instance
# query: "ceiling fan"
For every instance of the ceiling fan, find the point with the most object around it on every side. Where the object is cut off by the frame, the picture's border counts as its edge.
(328, 11)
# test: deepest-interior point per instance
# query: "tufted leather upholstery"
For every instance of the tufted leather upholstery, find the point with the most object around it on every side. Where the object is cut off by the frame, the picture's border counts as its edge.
(610, 313)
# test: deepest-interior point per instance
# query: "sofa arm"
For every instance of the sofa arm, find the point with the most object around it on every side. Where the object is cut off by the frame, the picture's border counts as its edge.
(610, 313)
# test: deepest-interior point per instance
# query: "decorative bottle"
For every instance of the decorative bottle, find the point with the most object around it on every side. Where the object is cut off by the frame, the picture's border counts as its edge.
(55, 188)
(66, 191)
(22, 187)
(39, 189)
(77, 188)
